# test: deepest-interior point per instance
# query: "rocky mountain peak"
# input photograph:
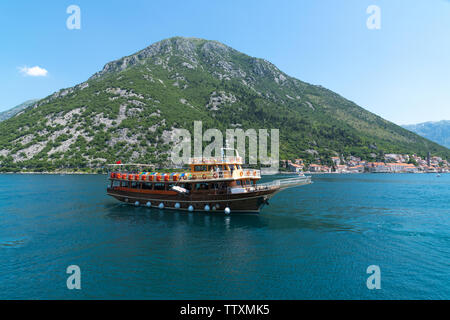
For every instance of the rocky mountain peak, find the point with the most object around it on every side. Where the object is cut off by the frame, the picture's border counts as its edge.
(188, 48)
(196, 52)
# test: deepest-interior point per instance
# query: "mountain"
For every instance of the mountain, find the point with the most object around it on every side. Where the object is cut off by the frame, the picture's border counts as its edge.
(127, 112)
(437, 131)
(13, 111)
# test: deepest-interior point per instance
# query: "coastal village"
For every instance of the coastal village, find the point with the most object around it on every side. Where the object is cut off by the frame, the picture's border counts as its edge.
(393, 163)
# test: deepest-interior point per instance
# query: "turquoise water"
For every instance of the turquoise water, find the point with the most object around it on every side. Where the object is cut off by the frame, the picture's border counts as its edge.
(312, 242)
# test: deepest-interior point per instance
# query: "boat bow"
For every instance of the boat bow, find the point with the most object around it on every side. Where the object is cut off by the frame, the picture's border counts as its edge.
(286, 183)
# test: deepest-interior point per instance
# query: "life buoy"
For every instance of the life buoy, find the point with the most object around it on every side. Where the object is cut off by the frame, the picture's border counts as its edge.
(194, 177)
(254, 173)
(248, 173)
(112, 175)
(215, 175)
(185, 177)
(119, 176)
(204, 176)
(242, 173)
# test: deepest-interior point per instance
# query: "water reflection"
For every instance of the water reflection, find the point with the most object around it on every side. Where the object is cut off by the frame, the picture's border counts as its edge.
(269, 219)
(120, 212)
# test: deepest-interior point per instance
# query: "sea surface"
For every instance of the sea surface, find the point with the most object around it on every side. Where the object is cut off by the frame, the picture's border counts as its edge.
(311, 242)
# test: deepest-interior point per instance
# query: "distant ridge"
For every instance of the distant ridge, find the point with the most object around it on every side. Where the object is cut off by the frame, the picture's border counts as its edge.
(13, 111)
(437, 131)
(129, 109)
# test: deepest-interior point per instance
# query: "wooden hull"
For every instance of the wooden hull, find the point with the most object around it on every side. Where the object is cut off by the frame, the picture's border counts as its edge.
(249, 202)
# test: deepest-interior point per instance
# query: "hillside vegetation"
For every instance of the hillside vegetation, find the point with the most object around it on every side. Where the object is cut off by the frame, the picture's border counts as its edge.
(128, 110)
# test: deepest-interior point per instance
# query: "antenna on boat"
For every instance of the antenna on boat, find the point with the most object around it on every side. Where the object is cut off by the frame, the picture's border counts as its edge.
(227, 147)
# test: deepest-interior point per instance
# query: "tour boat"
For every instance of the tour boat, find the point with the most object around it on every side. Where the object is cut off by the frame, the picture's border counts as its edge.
(219, 184)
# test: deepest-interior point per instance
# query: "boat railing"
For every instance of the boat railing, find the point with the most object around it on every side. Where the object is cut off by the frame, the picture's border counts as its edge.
(186, 176)
(216, 160)
(218, 174)
(227, 174)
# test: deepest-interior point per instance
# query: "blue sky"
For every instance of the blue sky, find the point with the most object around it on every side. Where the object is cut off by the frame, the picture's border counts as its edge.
(400, 72)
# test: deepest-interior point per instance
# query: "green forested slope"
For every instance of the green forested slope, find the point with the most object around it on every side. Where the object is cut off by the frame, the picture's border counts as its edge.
(128, 110)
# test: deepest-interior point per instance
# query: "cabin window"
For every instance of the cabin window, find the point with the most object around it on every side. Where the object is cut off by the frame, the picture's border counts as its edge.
(201, 186)
(188, 186)
(147, 186)
(238, 182)
(116, 183)
(200, 168)
(160, 186)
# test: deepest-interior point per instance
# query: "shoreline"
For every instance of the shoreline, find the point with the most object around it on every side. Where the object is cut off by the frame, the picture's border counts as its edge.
(284, 173)
(53, 173)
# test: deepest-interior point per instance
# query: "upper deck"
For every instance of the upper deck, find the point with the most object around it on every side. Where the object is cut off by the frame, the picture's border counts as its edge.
(200, 170)
(200, 173)
(204, 169)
